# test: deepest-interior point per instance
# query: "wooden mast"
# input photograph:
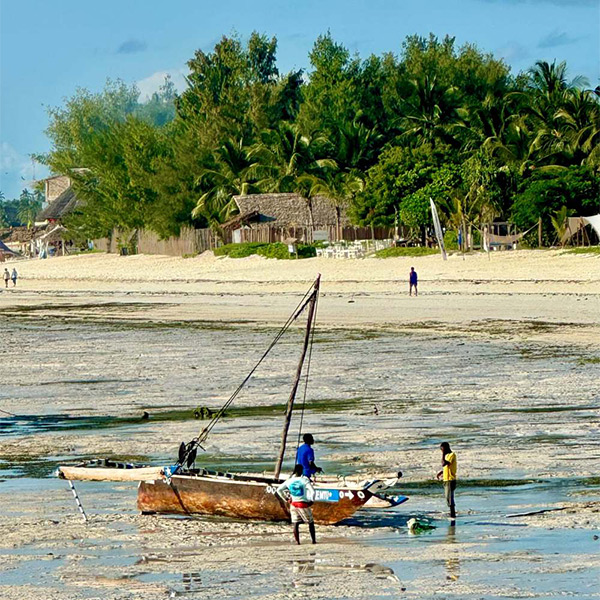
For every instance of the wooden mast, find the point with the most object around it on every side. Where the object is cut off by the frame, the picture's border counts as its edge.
(290, 404)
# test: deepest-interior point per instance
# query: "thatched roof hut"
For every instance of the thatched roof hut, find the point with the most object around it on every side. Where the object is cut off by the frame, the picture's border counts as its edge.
(289, 210)
(24, 235)
(60, 207)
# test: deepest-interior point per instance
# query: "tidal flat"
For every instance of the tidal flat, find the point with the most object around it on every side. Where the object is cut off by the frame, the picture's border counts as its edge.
(523, 417)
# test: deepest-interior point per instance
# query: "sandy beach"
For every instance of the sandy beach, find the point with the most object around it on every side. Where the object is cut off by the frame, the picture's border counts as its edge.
(552, 293)
(499, 355)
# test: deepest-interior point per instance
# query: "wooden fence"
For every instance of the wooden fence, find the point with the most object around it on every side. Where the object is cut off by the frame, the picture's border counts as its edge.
(269, 234)
(189, 241)
(196, 241)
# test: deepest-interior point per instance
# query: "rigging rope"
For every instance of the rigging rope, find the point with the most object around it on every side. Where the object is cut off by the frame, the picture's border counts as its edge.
(203, 435)
(310, 349)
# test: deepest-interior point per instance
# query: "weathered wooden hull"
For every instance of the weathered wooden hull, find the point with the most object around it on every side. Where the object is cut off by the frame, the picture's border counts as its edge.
(228, 497)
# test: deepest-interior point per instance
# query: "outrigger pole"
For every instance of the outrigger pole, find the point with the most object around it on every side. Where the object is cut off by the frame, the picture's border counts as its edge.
(78, 501)
(290, 404)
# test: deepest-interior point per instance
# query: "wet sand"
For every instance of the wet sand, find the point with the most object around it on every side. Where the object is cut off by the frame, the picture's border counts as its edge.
(501, 364)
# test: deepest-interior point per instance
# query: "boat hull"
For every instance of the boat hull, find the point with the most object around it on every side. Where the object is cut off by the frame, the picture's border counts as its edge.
(109, 473)
(233, 498)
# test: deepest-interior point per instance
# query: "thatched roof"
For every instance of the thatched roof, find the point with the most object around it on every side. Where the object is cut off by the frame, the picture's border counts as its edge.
(15, 235)
(290, 210)
(60, 207)
(24, 235)
(242, 219)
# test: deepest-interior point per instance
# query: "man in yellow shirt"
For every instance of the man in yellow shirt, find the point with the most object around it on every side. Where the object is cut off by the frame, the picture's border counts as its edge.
(449, 473)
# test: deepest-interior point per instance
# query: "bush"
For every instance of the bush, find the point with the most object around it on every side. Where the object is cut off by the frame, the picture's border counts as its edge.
(277, 250)
(451, 240)
(585, 250)
(394, 252)
(238, 250)
(308, 250)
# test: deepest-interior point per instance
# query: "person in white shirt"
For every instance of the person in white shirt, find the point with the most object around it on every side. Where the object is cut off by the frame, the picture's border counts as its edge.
(300, 493)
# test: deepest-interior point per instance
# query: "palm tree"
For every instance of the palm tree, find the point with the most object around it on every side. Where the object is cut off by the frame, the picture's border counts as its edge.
(3, 215)
(579, 121)
(232, 173)
(547, 95)
(340, 187)
(30, 205)
(560, 222)
(355, 145)
(285, 154)
(432, 112)
(290, 161)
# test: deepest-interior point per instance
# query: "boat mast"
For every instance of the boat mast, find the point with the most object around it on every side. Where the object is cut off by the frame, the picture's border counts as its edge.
(290, 404)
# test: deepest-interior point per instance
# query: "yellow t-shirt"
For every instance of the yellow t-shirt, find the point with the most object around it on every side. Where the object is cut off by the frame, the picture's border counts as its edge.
(450, 469)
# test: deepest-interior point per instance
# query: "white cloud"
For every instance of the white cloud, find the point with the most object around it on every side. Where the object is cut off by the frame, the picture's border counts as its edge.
(513, 52)
(152, 83)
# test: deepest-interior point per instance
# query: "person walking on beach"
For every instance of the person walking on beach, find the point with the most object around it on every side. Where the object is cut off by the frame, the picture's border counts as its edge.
(413, 279)
(14, 276)
(448, 473)
(6, 278)
(305, 456)
(300, 494)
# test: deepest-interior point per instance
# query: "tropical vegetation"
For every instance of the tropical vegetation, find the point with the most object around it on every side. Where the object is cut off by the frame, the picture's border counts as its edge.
(379, 136)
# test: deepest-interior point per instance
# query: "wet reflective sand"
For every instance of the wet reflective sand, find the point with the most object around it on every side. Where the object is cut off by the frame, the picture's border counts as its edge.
(522, 414)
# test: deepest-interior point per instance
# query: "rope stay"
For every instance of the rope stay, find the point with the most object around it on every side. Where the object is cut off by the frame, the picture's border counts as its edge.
(307, 375)
(188, 451)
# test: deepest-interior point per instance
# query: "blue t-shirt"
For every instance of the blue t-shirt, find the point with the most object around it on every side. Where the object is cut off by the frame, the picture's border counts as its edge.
(304, 457)
(413, 277)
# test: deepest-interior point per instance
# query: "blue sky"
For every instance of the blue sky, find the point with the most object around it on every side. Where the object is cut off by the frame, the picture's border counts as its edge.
(49, 48)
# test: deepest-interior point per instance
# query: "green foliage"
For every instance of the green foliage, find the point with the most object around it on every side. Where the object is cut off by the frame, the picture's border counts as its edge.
(276, 250)
(543, 195)
(585, 250)
(395, 252)
(30, 204)
(378, 136)
(308, 250)
(8, 213)
(451, 240)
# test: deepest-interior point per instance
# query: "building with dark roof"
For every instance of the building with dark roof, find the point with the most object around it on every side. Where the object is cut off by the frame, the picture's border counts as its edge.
(290, 210)
(60, 207)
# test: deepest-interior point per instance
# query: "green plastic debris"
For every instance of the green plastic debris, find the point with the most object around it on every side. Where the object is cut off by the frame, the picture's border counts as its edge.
(417, 526)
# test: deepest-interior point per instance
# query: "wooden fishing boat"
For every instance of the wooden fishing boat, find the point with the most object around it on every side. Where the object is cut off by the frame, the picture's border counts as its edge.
(247, 497)
(184, 489)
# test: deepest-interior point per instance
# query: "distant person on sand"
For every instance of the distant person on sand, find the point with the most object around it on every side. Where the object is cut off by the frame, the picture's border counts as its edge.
(413, 279)
(6, 277)
(449, 475)
(14, 276)
(301, 497)
(306, 456)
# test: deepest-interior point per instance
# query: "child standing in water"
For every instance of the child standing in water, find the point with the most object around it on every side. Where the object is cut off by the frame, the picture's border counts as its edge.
(301, 497)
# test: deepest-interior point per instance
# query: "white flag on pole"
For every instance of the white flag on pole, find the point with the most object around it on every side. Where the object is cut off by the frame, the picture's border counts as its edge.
(438, 229)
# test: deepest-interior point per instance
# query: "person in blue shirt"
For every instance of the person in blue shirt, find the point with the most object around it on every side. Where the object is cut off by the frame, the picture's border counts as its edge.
(413, 280)
(306, 456)
(301, 496)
